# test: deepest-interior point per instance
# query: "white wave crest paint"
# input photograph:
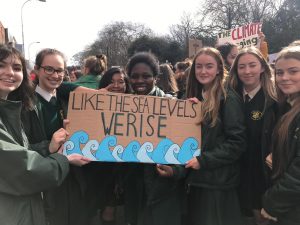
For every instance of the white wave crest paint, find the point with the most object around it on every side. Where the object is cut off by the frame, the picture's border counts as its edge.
(170, 156)
(118, 150)
(143, 153)
(90, 148)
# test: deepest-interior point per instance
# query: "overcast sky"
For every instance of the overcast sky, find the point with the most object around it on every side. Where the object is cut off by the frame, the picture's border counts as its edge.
(70, 25)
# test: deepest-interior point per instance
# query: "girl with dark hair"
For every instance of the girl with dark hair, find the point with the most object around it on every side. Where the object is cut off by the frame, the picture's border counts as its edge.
(93, 69)
(281, 201)
(115, 80)
(166, 80)
(151, 191)
(25, 170)
(228, 51)
(182, 66)
(143, 70)
(251, 78)
(214, 175)
(181, 75)
(104, 176)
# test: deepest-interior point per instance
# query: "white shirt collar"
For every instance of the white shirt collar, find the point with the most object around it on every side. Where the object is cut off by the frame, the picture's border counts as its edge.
(45, 94)
(252, 93)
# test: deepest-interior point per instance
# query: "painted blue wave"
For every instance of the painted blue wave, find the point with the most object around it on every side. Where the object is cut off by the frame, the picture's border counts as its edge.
(160, 151)
(73, 144)
(189, 149)
(130, 152)
(103, 152)
(166, 151)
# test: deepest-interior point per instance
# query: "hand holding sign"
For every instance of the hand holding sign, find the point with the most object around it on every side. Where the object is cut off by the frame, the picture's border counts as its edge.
(58, 139)
(193, 163)
(164, 170)
(78, 160)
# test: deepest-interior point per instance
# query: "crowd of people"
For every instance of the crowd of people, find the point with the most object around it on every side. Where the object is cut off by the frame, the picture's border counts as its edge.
(248, 172)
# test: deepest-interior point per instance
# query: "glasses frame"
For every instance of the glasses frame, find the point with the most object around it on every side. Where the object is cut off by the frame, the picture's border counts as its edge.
(59, 72)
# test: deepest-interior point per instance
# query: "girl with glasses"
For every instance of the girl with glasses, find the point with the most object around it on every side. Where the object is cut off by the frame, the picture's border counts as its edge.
(67, 204)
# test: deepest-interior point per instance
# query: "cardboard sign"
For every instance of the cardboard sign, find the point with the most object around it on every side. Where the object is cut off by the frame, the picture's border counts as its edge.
(111, 127)
(243, 36)
(194, 46)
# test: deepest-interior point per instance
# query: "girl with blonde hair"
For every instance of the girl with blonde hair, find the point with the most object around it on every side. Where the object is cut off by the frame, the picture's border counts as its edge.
(214, 175)
(281, 202)
(252, 79)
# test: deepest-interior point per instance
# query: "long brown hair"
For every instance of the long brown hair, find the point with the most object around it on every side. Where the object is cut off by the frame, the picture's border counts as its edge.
(266, 77)
(25, 92)
(280, 145)
(167, 80)
(210, 107)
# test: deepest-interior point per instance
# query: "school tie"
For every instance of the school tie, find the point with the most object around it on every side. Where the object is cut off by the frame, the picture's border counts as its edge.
(53, 100)
(247, 98)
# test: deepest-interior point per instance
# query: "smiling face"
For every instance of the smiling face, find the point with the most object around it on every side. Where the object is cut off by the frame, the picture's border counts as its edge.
(73, 76)
(142, 79)
(232, 55)
(11, 75)
(288, 75)
(206, 69)
(118, 84)
(49, 82)
(249, 70)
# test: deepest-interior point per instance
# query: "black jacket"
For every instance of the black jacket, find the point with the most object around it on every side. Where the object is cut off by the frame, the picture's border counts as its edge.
(222, 146)
(143, 188)
(260, 116)
(66, 204)
(282, 200)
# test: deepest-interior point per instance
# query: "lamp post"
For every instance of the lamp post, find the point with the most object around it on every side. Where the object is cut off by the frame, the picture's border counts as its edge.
(35, 42)
(23, 42)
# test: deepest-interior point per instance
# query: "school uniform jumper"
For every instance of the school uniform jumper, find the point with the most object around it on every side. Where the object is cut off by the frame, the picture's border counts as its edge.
(67, 204)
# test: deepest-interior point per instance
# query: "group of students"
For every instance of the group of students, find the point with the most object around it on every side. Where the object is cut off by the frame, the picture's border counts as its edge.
(249, 165)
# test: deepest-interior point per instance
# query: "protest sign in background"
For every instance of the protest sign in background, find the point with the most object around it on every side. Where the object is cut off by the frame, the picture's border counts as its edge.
(194, 46)
(113, 127)
(243, 36)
